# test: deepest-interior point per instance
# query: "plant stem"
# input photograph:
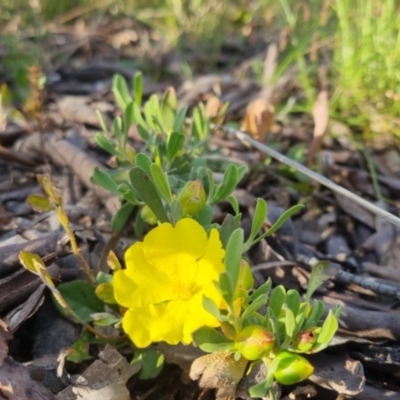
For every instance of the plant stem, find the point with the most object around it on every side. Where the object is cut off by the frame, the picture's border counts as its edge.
(75, 249)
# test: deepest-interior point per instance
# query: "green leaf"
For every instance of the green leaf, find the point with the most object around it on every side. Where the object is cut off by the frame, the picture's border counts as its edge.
(139, 120)
(234, 203)
(79, 351)
(205, 216)
(145, 188)
(117, 126)
(138, 87)
(168, 109)
(290, 322)
(121, 216)
(144, 162)
(328, 330)
(210, 340)
(233, 255)
(198, 129)
(102, 122)
(151, 110)
(210, 306)
(121, 91)
(104, 180)
(176, 212)
(317, 310)
(263, 289)
(254, 306)
(227, 287)
(282, 219)
(161, 181)
(129, 118)
(241, 172)
(229, 183)
(293, 300)
(151, 361)
(211, 186)
(139, 225)
(81, 298)
(39, 203)
(105, 292)
(175, 144)
(258, 218)
(226, 230)
(105, 144)
(276, 300)
(300, 317)
(337, 310)
(160, 125)
(260, 390)
(144, 132)
(180, 120)
(317, 278)
(35, 264)
(105, 319)
(128, 194)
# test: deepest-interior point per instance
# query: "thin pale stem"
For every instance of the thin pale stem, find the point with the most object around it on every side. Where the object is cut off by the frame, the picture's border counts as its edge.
(75, 249)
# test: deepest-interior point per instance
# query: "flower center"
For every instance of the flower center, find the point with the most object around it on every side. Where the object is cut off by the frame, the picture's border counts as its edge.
(185, 290)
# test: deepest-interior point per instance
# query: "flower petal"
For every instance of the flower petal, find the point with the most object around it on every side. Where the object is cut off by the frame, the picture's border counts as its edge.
(210, 264)
(196, 317)
(140, 283)
(155, 323)
(175, 249)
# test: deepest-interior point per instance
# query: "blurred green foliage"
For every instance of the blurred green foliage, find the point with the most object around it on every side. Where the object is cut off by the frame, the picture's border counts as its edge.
(357, 40)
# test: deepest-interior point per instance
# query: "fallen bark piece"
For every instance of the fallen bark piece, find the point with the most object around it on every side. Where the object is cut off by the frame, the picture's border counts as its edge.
(105, 379)
(26, 309)
(5, 336)
(337, 372)
(17, 287)
(370, 324)
(43, 246)
(64, 153)
(16, 384)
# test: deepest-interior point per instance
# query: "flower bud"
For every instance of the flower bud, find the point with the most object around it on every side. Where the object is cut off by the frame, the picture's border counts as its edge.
(148, 215)
(254, 342)
(305, 340)
(246, 279)
(192, 198)
(291, 368)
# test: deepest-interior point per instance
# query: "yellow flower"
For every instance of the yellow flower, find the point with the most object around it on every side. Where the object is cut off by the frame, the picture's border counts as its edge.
(164, 282)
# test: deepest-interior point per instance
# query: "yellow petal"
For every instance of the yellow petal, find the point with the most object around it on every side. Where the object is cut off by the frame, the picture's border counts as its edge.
(124, 288)
(140, 283)
(210, 265)
(155, 323)
(175, 249)
(196, 317)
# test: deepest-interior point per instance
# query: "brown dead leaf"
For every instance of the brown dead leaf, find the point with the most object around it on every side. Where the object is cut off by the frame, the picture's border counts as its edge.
(219, 371)
(77, 109)
(320, 114)
(105, 379)
(270, 63)
(259, 118)
(214, 109)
